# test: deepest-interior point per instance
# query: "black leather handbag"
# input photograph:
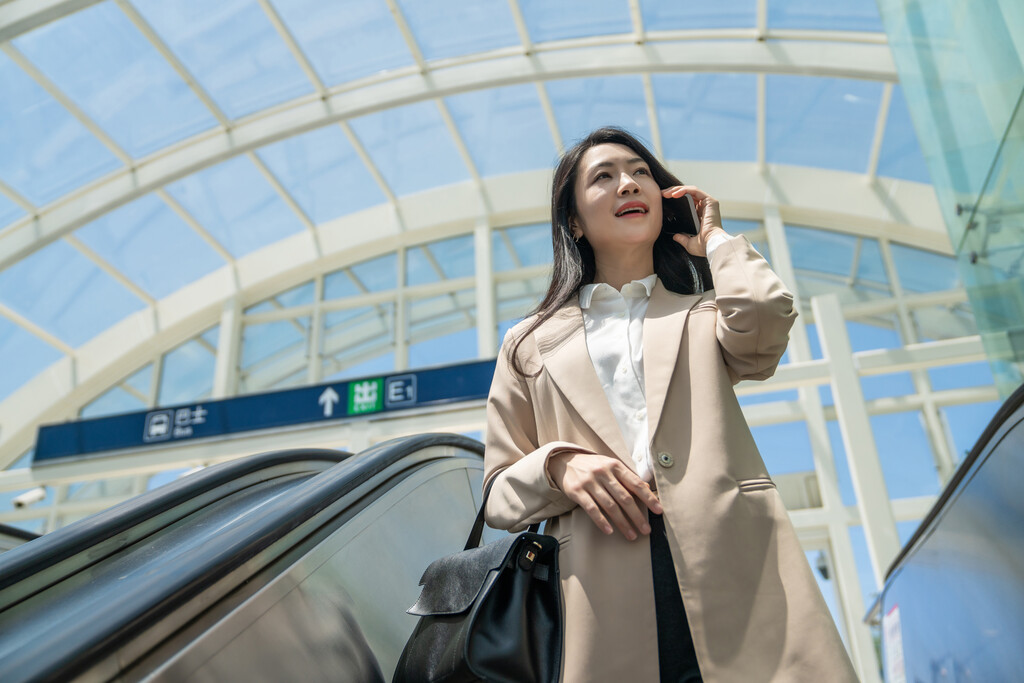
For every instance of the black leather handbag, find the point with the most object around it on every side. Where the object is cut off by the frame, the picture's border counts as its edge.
(488, 614)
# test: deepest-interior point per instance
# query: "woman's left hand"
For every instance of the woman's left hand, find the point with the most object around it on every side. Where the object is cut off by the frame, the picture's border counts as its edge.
(707, 211)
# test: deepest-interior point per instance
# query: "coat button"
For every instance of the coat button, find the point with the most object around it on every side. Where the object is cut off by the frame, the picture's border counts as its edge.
(665, 459)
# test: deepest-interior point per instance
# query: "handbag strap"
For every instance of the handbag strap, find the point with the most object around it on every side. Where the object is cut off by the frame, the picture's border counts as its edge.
(478, 525)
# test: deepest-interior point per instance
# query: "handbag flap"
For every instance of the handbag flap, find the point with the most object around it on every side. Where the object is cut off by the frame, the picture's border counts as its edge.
(451, 584)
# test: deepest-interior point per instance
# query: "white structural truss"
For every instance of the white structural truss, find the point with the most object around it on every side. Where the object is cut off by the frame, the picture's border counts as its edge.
(490, 274)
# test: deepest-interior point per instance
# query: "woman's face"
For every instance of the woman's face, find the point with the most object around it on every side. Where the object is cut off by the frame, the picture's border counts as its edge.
(618, 202)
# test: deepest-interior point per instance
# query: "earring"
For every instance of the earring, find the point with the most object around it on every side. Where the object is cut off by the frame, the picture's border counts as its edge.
(576, 238)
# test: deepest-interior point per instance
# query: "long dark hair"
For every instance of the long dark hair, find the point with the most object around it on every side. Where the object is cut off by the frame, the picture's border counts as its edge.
(574, 264)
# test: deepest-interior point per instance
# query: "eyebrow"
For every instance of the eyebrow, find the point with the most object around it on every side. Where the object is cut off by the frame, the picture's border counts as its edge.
(604, 164)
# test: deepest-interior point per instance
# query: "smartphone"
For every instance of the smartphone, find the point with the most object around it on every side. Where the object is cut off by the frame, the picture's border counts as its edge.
(679, 215)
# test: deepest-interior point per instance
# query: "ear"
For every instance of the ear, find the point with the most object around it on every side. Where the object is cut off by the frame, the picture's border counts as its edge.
(575, 229)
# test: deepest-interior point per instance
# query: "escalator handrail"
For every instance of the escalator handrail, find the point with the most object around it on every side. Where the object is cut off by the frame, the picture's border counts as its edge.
(68, 650)
(1009, 407)
(28, 559)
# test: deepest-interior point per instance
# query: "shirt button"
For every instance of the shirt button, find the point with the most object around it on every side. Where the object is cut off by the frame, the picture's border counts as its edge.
(665, 460)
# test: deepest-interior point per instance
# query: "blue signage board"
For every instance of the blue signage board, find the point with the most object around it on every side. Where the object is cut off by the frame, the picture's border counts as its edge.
(305, 405)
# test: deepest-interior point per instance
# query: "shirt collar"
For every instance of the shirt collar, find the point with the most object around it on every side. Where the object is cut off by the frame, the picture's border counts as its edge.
(636, 288)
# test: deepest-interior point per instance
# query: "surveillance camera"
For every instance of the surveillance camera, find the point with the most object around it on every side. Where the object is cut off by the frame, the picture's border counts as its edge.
(30, 497)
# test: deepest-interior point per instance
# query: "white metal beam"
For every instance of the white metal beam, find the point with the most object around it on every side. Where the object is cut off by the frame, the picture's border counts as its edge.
(858, 437)
(21, 16)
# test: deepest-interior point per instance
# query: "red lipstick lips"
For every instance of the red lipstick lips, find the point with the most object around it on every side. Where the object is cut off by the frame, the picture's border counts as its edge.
(631, 208)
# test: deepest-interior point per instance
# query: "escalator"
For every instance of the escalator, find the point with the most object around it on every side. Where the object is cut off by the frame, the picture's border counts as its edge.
(293, 565)
(952, 608)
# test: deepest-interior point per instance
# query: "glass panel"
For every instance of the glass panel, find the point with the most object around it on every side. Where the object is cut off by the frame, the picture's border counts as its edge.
(821, 564)
(315, 166)
(274, 354)
(866, 337)
(516, 299)
(961, 376)
(345, 45)
(187, 372)
(532, 244)
(444, 29)
(339, 285)
(121, 82)
(47, 152)
(33, 356)
(906, 456)
(232, 49)
(707, 116)
(130, 395)
(823, 122)
(442, 329)
(374, 367)
(454, 347)
(820, 250)
(411, 147)
(359, 341)
(455, 256)
(870, 266)
(420, 268)
(574, 18)
(236, 204)
(504, 129)
(865, 574)
(943, 322)
(666, 16)
(581, 105)
(924, 271)
(900, 156)
(65, 293)
(768, 397)
(151, 245)
(785, 447)
(831, 15)
(835, 437)
(296, 296)
(9, 211)
(965, 425)
(377, 275)
(887, 386)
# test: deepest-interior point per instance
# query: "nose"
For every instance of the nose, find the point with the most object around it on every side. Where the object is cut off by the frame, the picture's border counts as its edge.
(628, 184)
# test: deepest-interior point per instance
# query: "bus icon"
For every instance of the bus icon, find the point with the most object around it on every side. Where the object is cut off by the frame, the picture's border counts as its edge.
(158, 426)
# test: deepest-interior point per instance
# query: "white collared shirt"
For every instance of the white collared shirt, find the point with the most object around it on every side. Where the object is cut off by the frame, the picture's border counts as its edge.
(614, 324)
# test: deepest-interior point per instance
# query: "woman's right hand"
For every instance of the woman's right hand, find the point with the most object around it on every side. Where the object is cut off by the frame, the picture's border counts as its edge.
(605, 488)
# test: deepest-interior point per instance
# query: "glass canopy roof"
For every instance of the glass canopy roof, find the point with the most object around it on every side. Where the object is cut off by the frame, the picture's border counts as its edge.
(148, 144)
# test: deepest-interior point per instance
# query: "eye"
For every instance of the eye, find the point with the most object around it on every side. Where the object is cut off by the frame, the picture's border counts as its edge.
(642, 171)
(601, 175)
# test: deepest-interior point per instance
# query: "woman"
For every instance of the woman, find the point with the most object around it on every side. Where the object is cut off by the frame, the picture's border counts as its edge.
(612, 416)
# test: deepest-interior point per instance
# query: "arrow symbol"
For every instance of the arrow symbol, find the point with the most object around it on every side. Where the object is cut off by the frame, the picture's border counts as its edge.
(328, 399)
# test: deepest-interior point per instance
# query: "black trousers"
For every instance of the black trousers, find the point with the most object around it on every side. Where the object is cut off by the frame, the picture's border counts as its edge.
(677, 660)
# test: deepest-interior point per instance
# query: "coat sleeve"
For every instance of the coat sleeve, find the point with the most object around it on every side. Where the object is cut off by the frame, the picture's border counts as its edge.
(522, 493)
(755, 310)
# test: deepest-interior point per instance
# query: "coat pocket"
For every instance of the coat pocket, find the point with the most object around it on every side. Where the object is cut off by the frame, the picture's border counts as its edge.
(755, 484)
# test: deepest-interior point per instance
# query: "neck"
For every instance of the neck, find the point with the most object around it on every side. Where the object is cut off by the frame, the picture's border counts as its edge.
(624, 267)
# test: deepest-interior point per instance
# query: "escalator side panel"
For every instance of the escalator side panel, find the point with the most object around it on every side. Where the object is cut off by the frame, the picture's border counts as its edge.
(343, 604)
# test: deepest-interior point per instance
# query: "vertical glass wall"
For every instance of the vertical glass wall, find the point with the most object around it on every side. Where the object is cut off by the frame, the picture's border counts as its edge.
(961, 64)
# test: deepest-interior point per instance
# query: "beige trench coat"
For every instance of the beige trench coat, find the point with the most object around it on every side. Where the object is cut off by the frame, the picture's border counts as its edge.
(754, 609)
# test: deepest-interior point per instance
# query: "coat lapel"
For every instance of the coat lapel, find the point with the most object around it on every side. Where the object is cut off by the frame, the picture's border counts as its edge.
(663, 333)
(562, 343)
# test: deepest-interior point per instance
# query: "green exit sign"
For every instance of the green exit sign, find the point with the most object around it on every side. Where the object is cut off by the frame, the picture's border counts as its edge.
(366, 396)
